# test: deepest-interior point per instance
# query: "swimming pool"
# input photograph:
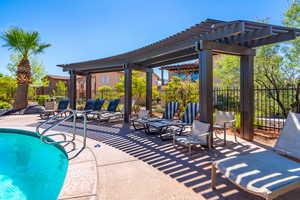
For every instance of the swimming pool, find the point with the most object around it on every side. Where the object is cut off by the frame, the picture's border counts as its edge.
(29, 168)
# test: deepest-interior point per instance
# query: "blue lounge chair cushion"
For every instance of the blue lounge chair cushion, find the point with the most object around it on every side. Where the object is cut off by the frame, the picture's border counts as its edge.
(98, 104)
(171, 109)
(63, 104)
(113, 104)
(190, 112)
(89, 105)
(260, 172)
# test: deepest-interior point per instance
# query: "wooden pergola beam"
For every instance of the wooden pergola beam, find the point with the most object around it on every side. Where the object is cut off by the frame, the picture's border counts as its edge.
(252, 35)
(222, 48)
(281, 37)
(175, 60)
(225, 31)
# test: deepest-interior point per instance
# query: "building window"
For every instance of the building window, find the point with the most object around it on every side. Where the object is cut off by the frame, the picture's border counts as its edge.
(194, 76)
(104, 79)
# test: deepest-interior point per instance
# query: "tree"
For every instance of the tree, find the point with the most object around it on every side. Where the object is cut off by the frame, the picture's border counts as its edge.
(292, 50)
(138, 87)
(106, 92)
(61, 89)
(8, 88)
(227, 72)
(37, 68)
(180, 91)
(24, 44)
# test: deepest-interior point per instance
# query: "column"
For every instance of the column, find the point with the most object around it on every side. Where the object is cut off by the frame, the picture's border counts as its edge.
(128, 93)
(88, 86)
(247, 97)
(72, 92)
(149, 73)
(206, 86)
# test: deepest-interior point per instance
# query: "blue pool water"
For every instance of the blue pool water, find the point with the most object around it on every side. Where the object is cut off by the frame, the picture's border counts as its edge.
(30, 169)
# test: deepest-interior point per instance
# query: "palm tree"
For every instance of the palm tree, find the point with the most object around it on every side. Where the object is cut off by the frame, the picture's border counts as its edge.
(24, 44)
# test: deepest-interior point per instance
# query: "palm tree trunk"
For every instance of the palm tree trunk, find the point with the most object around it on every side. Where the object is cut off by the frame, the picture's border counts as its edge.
(24, 78)
(21, 96)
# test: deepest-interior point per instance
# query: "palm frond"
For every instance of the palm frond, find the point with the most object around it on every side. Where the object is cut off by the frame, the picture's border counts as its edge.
(25, 43)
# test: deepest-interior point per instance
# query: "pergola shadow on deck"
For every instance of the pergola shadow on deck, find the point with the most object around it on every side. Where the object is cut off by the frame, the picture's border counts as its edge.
(201, 41)
(191, 171)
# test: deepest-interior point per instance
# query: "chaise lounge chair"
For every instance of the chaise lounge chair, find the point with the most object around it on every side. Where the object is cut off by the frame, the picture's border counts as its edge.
(110, 112)
(62, 105)
(190, 113)
(267, 173)
(90, 106)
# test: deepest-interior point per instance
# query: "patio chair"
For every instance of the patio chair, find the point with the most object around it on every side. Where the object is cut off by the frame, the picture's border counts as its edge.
(266, 173)
(224, 122)
(199, 135)
(62, 105)
(142, 114)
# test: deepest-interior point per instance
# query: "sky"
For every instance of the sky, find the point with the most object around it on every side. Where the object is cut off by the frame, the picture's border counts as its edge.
(80, 30)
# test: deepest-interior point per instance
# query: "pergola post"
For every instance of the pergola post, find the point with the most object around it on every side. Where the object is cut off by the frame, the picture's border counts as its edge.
(88, 86)
(247, 96)
(206, 86)
(128, 93)
(72, 92)
(149, 73)
(162, 77)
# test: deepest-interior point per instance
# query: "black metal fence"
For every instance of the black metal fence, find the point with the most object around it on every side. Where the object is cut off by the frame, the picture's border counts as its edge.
(271, 105)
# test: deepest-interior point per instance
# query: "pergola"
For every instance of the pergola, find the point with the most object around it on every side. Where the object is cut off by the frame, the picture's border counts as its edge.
(201, 41)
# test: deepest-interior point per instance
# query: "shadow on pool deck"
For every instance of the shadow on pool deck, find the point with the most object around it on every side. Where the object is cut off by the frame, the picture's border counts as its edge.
(193, 172)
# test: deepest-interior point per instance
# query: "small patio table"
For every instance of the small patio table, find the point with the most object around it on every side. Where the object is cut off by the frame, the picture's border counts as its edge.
(163, 128)
(144, 122)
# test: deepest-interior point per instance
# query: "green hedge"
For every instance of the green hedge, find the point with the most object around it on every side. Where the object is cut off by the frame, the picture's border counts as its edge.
(4, 104)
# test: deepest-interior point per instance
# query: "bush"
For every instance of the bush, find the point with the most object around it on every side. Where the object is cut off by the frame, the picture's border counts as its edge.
(4, 104)
(41, 99)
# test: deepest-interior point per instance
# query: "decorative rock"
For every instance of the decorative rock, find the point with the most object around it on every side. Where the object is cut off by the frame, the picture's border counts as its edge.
(34, 109)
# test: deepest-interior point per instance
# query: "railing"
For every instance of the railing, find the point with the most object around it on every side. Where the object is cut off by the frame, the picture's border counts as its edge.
(58, 119)
(270, 114)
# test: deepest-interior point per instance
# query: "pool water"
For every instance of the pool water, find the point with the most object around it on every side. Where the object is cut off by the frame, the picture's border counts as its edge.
(30, 169)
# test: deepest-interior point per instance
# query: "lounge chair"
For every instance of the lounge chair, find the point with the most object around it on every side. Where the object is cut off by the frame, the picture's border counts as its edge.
(110, 112)
(190, 113)
(170, 110)
(224, 121)
(98, 104)
(266, 173)
(62, 105)
(90, 106)
(199, 136)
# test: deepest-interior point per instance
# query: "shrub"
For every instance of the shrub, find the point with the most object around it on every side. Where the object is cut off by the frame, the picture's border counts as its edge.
(41, 99)
(4, 104)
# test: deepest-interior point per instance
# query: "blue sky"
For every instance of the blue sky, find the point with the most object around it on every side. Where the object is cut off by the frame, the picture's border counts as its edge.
(89, 29)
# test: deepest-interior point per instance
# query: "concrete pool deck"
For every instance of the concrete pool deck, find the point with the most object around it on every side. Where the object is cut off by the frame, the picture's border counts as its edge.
(121, 164)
